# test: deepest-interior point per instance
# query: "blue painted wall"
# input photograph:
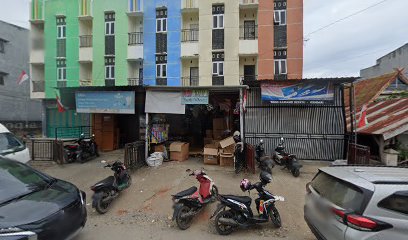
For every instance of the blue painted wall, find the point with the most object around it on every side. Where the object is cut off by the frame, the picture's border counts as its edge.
(173, 41)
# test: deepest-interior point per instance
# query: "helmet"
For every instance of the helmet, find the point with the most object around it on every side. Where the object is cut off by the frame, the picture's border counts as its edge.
(237, 136)
(237, 133)
(245, 184)
(265, 177)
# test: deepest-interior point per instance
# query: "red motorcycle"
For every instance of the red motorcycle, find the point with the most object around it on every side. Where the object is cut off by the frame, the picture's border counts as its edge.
(191, 201)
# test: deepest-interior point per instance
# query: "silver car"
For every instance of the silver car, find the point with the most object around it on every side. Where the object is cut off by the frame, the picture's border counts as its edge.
(357, 203)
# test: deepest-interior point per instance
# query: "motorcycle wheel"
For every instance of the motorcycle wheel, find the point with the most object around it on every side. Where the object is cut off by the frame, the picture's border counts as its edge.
(221, 228)
(295, 172)
(102, 207)
(275, 217)
(183, 222)
(277, 160)
(214, 193)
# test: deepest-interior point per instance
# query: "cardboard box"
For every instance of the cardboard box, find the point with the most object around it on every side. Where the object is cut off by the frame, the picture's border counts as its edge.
(179, 151)
(159, 148)
(229, 149)
(208, 140)
(218, 124)
(226, 160)
(209, 133)
(211, 154)
(217, 134)
(227, 142)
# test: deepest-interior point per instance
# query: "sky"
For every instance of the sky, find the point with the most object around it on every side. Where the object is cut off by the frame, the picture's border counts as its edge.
(339, 50)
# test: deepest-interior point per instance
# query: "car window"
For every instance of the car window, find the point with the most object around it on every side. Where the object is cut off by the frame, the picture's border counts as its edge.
(397, 202)
(9, 142)
(16, 179)
(338, 192)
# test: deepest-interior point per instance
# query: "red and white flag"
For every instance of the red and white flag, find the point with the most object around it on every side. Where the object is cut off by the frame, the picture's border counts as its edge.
(244, 100)
(61, 107)
(22, 78)
(363, 117)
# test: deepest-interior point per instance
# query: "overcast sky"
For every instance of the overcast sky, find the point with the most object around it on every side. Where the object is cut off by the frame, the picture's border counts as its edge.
(339, 50)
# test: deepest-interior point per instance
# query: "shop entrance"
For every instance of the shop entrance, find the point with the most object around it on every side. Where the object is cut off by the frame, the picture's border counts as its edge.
(200, 125)
(113, 131)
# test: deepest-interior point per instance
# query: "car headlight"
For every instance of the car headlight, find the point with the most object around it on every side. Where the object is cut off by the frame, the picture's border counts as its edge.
(17, 232)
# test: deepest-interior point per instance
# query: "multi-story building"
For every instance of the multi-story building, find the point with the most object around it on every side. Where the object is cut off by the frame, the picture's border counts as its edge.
(397, 59)
(161, 42)
(18, 111)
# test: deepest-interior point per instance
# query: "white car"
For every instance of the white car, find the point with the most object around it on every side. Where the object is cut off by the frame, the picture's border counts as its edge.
(11, 147)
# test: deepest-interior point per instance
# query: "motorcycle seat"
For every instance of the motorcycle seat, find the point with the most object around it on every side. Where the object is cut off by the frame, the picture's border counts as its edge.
(107, 182)
(242, 199)
(187, 192)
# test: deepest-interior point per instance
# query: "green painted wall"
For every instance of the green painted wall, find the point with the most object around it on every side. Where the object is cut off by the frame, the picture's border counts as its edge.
(121, 41)
(70, 9)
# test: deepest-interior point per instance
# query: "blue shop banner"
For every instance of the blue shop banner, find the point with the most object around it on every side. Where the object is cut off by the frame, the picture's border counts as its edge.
(298, 93)
(105, 102)
(194, 97)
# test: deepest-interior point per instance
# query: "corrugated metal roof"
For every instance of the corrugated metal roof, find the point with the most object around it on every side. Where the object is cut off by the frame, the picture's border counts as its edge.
(386, 117)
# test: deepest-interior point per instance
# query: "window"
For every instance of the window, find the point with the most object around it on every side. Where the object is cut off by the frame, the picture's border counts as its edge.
(109, 28)
(110, 72)
(2, 45)
(338, 192)
(61, 32)
(397, 202)
(161, 25)
(218, 21)
(61, 73)
(280, 66)
(161, 70)
(280, 17)
(218, 68)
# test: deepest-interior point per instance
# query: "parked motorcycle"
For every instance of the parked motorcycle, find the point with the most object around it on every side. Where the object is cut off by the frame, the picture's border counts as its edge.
(83, 149)
(289, 161)
(191, 201)
(107, 190)
(235, 211)
(265, 163)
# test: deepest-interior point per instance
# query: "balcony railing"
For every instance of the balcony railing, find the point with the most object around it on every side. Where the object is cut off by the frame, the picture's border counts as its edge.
(189, 81)
(109, 82)
(38, 86)
(85, 82)
(218, 80)
(189, 4)
(85, 41)
(248, 78)
(135, 81)
(37, 43)
(189, 35)
(135, 38)
(61, 83)
(248, 33)
(249, 1)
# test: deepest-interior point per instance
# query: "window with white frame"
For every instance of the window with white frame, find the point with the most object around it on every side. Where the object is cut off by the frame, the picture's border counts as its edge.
(161, 25)
(110, 72)
(280, 17)
(161, 70)
(61, 73)
(109, 28)
(280, 66)
(218, 21)
(61, 31)
(218, 69)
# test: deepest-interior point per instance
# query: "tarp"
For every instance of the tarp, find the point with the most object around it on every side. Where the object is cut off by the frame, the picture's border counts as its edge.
(164, 102)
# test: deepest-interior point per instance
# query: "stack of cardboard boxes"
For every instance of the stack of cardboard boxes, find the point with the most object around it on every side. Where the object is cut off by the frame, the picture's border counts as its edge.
(179, 151)
(220, 152)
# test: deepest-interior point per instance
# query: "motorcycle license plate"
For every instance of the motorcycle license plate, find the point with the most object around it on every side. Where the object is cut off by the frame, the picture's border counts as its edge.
(279, 198)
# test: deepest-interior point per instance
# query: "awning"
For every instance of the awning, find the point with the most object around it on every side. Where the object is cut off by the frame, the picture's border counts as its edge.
(164, 102)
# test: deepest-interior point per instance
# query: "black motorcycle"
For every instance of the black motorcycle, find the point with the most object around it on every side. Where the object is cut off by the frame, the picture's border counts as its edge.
(82, 150)
(108, 189)
(235, 211)
(265, 163)
(289, 161)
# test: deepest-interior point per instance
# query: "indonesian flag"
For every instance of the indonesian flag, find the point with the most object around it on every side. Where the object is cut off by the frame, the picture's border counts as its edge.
(363, 117)
(61, 107)
(244, 100)
(22, 78)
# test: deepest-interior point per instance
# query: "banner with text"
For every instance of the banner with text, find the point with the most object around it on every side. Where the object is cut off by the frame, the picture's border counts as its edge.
(298, 93)
(105, 102)
(194, 97)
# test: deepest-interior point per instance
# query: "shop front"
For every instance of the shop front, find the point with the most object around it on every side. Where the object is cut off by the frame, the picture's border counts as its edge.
(117, 113)
(187, 121)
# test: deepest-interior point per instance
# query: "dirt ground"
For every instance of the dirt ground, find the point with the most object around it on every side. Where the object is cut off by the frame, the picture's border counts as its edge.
(144, 210)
